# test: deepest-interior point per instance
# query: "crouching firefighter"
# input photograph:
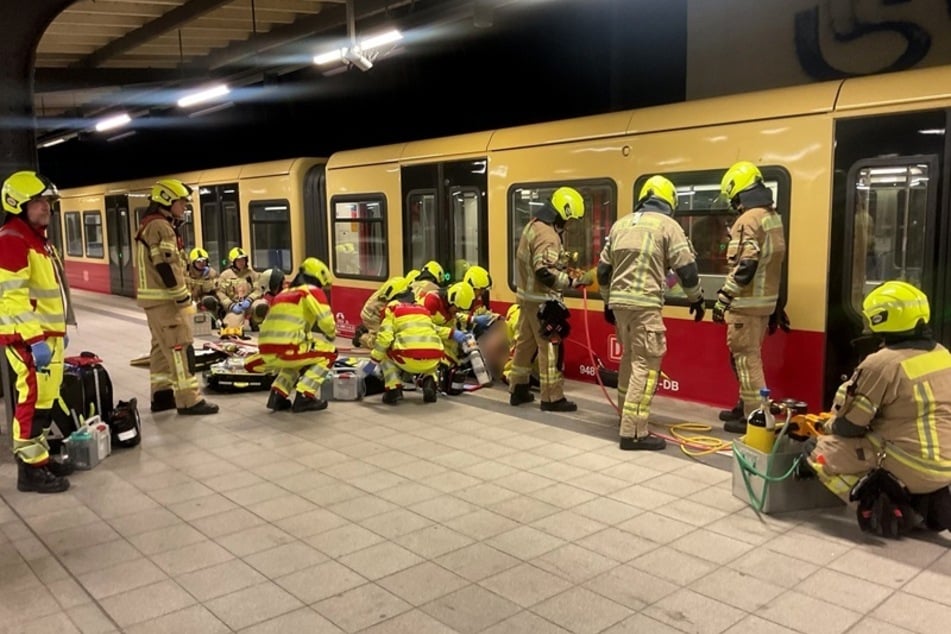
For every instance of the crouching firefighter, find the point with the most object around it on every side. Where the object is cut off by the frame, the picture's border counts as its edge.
(289, 344)
(888, 445)
(162, 292)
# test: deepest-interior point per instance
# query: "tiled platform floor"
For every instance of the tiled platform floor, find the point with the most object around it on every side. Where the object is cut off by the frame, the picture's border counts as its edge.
(466, 516)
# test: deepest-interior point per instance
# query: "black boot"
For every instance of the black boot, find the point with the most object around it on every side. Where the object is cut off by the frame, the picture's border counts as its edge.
(650, 442)
(163, 400)
(732, 414)
(39, 479)
(429, 390)
(737, 426)
(277, 402)
(59, 467)
(561, 405)
(200, 408)
(521, 394)
(393, 396)
(307, 404)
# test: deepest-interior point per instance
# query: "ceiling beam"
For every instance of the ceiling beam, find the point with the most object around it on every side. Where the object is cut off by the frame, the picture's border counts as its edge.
(54, 79)
(168, 22)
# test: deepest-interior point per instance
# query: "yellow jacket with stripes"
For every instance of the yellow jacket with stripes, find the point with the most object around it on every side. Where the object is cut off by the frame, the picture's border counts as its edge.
(299, 324)
(33, 301)
(408, 332)
(157, 242)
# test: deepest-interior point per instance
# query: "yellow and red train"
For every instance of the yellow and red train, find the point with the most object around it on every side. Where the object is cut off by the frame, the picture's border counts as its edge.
(860, 169)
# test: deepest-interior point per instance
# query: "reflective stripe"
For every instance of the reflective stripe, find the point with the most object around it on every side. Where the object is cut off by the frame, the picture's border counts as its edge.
(45, 293)
(862, 403)
(925, 422)
(12, 284)
(935, 468)
(926, 363)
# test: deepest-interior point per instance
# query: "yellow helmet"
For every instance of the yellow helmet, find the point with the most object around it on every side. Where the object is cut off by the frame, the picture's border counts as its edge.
(197, 254)
(461, 295)
(569, 203)
(22, 187)
(739, 178)
(412, 275)
(478, 277)
(394, 287)
(317, 271)
(435, 269)
(236, 253)
(660, 188)
(895, 306)
(167, 191)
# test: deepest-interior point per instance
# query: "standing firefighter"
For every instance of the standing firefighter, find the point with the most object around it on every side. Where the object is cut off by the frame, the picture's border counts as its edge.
(748, 301)
(33, 315)
(164, 296)
(540, 277)
(289, 344)
(632, 275)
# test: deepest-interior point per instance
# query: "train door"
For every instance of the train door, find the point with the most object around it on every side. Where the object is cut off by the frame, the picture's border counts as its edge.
(119, 234)
(890, 221)
(444, 215)
(316, 240)
(220, 222)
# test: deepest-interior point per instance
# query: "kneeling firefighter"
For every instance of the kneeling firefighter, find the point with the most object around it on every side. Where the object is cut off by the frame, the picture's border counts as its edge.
(162, 292)
(371, 315)
(892, 421)
(288, 344)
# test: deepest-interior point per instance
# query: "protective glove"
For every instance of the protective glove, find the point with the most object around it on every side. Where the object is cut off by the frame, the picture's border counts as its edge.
(698, 310)
(482, 321)
(206, 272)
(42, 355)
(586, 279)
(724, 301)
(237, 308)
(245, 304)
(609, 316)
(778, 320)
(459, 336)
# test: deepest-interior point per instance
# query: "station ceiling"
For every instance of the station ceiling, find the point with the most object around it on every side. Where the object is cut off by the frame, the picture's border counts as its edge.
(100, 56)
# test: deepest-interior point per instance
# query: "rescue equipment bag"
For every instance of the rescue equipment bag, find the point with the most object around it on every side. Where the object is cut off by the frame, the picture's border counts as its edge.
(86, 391)
(125, 425)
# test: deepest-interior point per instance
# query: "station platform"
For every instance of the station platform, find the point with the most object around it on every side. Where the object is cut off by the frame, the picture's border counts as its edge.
(466, 515)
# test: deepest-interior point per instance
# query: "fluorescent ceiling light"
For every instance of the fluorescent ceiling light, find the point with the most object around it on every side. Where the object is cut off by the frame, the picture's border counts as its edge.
(203, 95)
(330, 57)
(938, 131)
(61, 139)
(381, 39)
(113, 122)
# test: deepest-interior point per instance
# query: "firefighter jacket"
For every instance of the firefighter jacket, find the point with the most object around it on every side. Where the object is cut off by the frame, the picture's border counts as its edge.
(640, 249)
(201, 283)
(289, 328)
(34, 300)
(230, 281)
(372, 313)
(408, 332)
(421, 288)
(540, 250)
(902, 393)
(438, 307)
(756, 244)
(157, 242)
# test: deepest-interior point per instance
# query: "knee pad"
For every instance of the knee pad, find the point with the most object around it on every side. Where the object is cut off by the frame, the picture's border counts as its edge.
(259, 311)
(189, 351)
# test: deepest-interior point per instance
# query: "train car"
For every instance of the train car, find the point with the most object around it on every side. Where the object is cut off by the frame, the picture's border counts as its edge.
(275, 210)
(859, 169)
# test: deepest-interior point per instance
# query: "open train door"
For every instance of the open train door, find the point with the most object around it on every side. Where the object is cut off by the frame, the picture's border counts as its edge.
(119, 233)
(445, 215)
(890, 221)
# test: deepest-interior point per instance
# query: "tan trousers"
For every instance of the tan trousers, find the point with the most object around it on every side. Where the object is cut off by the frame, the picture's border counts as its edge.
(643, 337)
(168, 358)
(744, 338)
(528, 342)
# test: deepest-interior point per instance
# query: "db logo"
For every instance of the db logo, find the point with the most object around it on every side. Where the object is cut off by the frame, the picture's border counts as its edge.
(615, 350)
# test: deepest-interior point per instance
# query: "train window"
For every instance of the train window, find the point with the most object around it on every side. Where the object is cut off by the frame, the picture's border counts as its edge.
(92, 225)
(889, 214)
(359, 237)
(422, 224)
(270, 234)
(582, 239)
(706, 218)
(55, 231)
(74, 234)
(465, 226)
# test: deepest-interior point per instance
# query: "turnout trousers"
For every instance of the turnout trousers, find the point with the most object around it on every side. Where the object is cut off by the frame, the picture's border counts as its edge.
(36, 393)
(643, 337)
(169, 367)
(744, 338)
(528, 343)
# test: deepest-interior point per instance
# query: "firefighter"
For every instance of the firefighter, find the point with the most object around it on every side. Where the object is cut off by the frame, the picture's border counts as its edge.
(168, 307)
(485, 324)
(540, 276)
(270, 284)
(632, 274)
(202, 281)
(409, 341)
(894, 413)
(431, 277)
(239, 292)
(447, 307)
(748, 301)
(34, 310)
(289, 343)
(372, 315)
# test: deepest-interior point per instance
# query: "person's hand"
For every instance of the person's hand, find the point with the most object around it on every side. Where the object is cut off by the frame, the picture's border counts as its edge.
(482, 321)
(609, 316)
(42, 355)
(586, 279)
(459, 336)
(245, 304)
(237, 308)
(778, 320)
(698, 310)
(724, 301)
